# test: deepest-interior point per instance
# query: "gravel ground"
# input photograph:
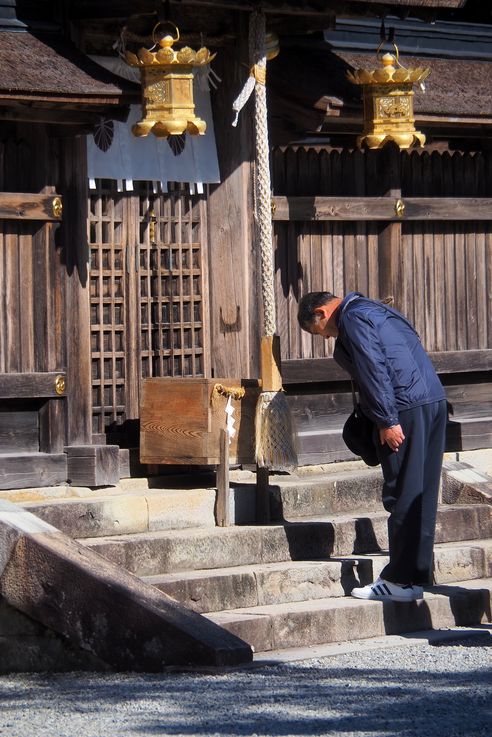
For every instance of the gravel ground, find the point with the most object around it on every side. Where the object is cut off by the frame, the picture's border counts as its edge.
(418, 690)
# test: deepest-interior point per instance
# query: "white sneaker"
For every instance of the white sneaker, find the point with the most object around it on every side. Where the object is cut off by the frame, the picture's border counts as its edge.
(382, 590)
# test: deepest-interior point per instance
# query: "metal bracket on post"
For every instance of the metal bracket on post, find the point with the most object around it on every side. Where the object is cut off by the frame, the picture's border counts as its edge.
(223, 510)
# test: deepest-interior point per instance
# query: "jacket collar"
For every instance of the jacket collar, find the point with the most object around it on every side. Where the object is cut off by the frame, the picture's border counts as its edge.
(350, 297)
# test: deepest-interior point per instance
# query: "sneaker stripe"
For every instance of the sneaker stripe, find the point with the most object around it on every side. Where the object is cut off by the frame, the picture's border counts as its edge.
(381, 589)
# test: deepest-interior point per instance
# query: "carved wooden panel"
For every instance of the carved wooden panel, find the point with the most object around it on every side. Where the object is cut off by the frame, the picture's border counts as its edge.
(147, 294)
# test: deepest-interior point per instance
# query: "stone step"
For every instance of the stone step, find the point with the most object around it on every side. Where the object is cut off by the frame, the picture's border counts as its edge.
(151, 553)
(128, 512)
(318, 494)
(305, 623)
(276, 583)
(135, 507)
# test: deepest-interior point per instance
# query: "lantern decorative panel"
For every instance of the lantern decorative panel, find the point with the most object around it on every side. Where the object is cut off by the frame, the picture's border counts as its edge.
(388, 103)
(167, 88)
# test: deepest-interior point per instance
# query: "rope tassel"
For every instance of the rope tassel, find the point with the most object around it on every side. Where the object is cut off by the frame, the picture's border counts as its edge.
(274, 446)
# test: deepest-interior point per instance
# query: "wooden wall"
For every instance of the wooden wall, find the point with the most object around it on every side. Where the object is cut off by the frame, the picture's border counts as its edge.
(336, 229)
(44, 315)
(441, 270)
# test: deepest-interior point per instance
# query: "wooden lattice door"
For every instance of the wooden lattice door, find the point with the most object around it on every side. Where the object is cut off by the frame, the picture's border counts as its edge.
(148, 294)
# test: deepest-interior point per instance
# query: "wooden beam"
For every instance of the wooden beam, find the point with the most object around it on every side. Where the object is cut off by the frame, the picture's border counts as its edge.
(416, 3)
(23, 470)
(26, 206)
(381, 208)
(32, 386)
(319, 370)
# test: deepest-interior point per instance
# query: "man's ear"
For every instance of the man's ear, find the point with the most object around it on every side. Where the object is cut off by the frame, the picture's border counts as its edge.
(321, 311)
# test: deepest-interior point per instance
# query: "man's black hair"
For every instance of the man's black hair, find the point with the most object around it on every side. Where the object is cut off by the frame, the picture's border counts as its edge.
(309, 303)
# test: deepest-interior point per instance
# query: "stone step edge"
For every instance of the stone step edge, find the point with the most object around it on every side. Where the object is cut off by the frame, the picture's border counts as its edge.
(431, 593)
(440, 636)
(302, 624)
(173, 482)
(276, 525)
(214, 590)
(198, 573)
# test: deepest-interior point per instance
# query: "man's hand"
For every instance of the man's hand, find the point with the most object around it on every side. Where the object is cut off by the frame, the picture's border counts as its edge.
(392, 436)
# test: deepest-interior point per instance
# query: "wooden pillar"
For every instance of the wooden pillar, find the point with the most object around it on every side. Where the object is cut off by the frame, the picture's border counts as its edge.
(232, 254)
(73, 242)
(390, 237)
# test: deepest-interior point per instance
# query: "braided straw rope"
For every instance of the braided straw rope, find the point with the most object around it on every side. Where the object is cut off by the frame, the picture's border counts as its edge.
(262, 179)
(274, 442)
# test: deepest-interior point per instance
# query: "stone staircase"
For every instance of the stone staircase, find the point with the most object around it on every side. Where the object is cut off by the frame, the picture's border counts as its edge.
(284, 584)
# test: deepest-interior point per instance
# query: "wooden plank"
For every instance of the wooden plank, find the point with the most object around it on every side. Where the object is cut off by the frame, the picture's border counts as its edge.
(469, 400)
(488, 293)
(27, 306)
(428, 292)
(24, 470)
(32, 385)
(305, 370)
(19, 431)
(470, 434)
(52, 426)
(381, 208)
(283, 290)
(271, 379)
(417, 246)
(472, 297)
(389, 263)
(361, 236)
(460, 287)
(451, 308)
(482, 288)
(25, 206)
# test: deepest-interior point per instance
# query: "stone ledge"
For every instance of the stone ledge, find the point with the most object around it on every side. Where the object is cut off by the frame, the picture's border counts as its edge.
(464, 484)
(99, 607)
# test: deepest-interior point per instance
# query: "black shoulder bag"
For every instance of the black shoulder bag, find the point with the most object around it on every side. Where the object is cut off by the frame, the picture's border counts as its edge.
(358, 434)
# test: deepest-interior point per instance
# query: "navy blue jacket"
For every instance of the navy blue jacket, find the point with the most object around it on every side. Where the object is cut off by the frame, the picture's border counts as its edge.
(383, 354)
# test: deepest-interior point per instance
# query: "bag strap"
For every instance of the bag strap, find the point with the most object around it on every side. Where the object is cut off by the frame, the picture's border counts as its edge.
(354, 398)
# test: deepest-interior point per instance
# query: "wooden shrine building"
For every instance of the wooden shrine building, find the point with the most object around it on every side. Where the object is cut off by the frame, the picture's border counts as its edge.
(109, 279)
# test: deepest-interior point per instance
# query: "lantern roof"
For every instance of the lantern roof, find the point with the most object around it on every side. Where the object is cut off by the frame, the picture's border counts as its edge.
(391, 72)
(167, 56)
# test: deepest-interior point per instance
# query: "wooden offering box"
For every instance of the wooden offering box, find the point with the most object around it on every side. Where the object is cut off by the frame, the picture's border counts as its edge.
(181, 419)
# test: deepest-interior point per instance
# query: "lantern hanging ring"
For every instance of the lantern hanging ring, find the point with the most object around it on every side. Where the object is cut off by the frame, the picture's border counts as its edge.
(395, 48)
(165, 23)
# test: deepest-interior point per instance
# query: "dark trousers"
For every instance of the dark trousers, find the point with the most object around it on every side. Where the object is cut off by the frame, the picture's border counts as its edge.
(410, 493)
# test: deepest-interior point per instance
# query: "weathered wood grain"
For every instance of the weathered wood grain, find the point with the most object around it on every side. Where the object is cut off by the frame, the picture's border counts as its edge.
(23, 470)
(30, 385)
(380, 208)
(304, 370)
(181, 419)
(26, 206)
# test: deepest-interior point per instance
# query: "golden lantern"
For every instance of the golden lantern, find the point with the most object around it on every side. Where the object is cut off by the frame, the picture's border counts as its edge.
(388, 103)
(167, 87)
